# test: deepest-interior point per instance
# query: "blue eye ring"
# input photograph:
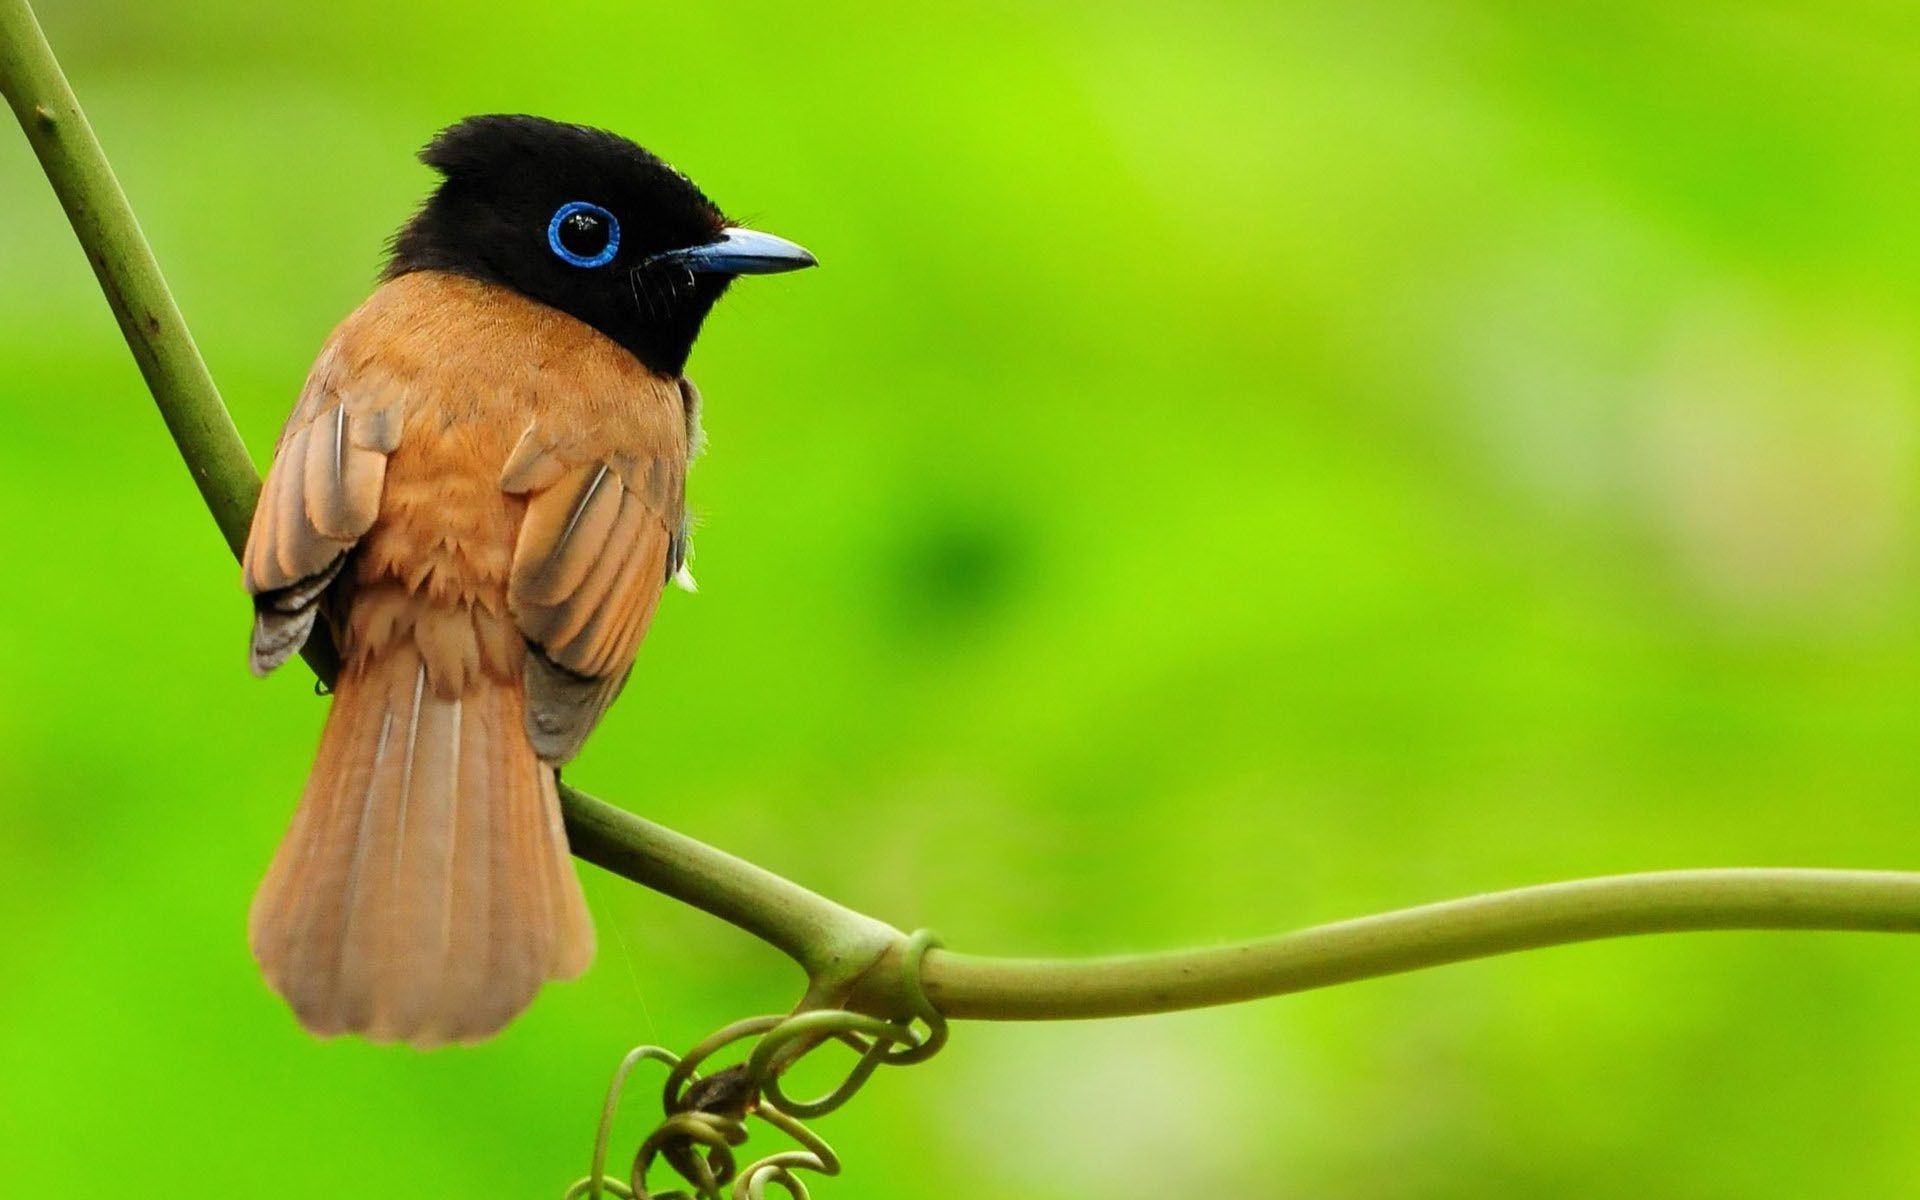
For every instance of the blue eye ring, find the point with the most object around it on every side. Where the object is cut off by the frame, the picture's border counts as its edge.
(571, 208)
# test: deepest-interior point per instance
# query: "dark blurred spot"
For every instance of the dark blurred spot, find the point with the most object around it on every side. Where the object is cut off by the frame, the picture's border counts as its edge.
(950, 567)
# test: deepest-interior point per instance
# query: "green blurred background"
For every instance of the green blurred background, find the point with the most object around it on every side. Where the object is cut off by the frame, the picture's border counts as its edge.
(1241, 465)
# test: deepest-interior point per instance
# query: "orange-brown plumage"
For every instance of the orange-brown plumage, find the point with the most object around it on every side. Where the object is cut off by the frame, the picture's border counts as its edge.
(481, 491)
(500, 488)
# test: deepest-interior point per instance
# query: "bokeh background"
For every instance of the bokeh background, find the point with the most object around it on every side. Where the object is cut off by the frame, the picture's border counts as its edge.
(1241, 465)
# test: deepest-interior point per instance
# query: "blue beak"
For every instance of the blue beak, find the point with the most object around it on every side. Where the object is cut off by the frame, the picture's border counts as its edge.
(740, 252)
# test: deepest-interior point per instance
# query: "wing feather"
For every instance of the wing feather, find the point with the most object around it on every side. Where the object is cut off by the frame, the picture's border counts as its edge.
(594, 552)
(570, 527)
(320, 497)
(343, 479)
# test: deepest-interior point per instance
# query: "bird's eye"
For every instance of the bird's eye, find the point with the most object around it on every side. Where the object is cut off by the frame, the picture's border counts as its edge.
(583, 234)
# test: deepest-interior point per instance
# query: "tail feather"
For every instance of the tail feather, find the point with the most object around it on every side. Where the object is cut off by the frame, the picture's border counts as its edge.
(573, 928)
(424, 891)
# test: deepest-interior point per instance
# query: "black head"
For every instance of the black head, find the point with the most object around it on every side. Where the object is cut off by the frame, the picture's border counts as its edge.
(587, 222)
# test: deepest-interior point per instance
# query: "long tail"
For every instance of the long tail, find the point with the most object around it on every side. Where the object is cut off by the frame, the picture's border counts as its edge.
(424, 891)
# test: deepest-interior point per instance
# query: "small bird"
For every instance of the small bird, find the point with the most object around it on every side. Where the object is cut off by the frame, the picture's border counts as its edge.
(482, 492)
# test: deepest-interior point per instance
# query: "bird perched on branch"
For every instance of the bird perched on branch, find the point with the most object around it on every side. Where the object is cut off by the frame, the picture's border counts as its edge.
(481, 492)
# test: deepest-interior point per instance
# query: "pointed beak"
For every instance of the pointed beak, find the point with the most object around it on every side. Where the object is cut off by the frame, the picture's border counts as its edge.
(741, 252)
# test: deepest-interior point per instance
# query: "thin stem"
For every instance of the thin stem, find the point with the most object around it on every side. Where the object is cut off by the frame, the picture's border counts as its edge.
(37, 91)
(1022, 989)
(850, 957)
(829, 940)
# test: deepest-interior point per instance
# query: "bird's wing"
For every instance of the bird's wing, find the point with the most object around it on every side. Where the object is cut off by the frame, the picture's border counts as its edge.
(604, 530)
(321, 495)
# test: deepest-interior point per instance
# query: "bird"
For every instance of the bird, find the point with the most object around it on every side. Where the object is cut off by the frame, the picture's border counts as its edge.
(481, 494)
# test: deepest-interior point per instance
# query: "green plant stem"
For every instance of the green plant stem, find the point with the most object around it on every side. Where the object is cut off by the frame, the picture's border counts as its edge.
(827, 938)
(63, 140)
(850, 957)
(37, 91)
(830, 941)
(963, 985)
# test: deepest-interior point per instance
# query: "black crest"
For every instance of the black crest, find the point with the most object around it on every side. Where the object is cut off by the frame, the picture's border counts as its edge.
(575, 218)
